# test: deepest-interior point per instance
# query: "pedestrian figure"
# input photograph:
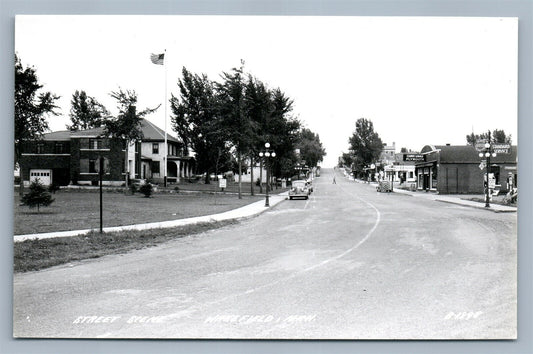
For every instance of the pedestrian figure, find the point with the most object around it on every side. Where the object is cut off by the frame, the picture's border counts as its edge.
(334, 182)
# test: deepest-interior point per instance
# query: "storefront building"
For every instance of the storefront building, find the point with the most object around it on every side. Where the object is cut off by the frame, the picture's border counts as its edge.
(458, 169)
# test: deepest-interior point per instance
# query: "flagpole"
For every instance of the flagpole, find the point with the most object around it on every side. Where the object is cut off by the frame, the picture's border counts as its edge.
(165, 60)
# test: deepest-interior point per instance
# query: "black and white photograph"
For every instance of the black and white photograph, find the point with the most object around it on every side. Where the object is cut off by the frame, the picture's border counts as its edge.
(265, 177)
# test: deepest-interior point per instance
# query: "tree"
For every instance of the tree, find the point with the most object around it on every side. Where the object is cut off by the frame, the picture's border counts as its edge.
(346, 159)
(197, 121)
(365, 144)
(31, 108)
(283, 128)
(127, 125)
(240, 128)
(37, 196)
(86, 112)
(498, 136)
(311, 149)
(258, 107)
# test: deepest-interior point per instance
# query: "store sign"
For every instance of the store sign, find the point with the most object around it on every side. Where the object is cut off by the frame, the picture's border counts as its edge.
(414, 157)
(480, 145)
(501, 148)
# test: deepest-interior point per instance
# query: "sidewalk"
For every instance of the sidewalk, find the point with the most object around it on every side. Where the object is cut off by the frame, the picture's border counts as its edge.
(235, 214)
(457, 199)
(450, 198)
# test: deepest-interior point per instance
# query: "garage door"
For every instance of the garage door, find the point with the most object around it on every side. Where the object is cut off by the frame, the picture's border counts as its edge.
(44, 176)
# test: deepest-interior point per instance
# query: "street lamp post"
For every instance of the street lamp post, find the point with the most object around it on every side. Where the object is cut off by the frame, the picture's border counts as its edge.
(267, 154)
(487, 152)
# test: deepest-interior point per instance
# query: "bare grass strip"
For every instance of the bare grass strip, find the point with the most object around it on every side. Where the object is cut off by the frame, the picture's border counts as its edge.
(32, 255)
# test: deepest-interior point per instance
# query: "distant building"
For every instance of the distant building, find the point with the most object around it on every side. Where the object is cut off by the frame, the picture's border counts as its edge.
(458, 169)
(401, 170)
(388, 154)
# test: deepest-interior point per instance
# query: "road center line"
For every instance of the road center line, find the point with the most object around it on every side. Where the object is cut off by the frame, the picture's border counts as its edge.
(292, 276)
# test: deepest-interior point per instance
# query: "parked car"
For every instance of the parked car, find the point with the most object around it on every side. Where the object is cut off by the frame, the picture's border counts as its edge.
(299, 190)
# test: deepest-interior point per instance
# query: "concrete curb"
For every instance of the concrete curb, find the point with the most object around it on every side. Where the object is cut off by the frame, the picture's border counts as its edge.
(246, 211)
(502, 208)
(496, 208)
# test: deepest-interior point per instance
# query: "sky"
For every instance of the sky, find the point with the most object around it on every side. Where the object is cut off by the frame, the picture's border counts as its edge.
(420, 80)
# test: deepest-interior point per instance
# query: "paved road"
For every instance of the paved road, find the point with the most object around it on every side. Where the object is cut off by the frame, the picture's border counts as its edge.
(348, 263)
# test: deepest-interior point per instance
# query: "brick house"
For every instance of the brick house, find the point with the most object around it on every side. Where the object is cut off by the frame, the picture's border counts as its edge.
(46, 159)
(66, 157)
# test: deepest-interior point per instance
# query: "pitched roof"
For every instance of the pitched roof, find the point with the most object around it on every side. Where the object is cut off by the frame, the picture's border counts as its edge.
(62, 135)
(94, 132)
(468, 154)
(153, 132)
(150, 131)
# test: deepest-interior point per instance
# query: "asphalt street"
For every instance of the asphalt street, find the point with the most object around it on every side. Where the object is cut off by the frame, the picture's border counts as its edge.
(348, 263)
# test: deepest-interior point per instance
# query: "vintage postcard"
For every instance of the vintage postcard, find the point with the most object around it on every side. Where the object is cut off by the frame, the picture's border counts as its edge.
(253, 177)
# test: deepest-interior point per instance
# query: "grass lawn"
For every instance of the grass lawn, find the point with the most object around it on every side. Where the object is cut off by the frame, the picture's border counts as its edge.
(32, 255)
(80, 209)
(75, 210)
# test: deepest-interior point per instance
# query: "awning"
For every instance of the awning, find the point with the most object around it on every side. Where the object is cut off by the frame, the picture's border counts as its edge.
(427, 164)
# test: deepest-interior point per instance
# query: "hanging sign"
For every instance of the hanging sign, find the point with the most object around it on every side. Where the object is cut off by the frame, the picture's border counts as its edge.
(501, 148)
(414, 157)
(480, 145)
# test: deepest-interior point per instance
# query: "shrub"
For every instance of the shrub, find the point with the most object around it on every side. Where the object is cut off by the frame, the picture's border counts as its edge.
(37, 196)
(177, 189)
(146, 189)
(133, 188)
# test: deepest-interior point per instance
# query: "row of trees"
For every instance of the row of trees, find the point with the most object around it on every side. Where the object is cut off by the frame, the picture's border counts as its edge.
(233, 119)
(224, 123)
(497, 136)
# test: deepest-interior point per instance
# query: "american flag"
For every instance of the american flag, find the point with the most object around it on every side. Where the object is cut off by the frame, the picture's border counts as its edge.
(157, 59)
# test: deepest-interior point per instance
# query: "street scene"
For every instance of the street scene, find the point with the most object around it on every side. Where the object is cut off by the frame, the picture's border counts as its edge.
(412, 268)
(206, 189)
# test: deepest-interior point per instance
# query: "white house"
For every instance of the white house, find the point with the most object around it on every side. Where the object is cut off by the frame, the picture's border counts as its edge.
(153, 156)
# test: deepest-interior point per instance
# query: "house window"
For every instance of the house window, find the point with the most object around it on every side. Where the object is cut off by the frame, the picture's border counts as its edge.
(155, 148)
(92, 166)
(155, 167)
(59, 148)
(98, 144)
(40, 148)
